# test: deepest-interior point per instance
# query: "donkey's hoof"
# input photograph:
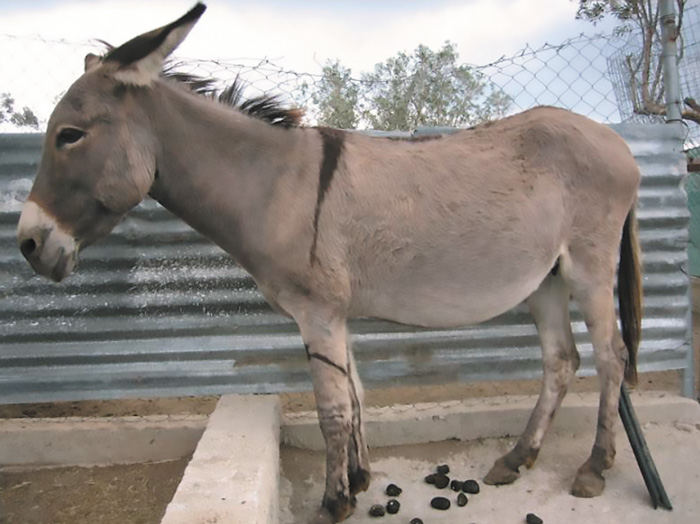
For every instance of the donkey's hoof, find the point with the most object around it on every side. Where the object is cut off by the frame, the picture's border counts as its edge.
(588, 484)
(359, 480)
(335, 509)
(323, 517)
(501, 474)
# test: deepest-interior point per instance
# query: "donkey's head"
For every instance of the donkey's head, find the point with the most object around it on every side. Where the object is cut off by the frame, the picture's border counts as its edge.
(98, 158)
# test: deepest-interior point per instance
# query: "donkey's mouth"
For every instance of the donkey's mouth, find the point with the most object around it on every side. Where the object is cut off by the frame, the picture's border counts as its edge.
(57, 268)
(50, 251)
(64, 266)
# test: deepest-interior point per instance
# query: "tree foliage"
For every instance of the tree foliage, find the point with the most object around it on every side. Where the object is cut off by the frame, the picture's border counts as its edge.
(337, 97)
(425, 88)
(429, 88)
(596, 10)
(644, 69)
(22, 118)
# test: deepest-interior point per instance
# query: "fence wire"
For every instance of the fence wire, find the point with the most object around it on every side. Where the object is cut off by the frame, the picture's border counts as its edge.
(574, 74)
(590, 75)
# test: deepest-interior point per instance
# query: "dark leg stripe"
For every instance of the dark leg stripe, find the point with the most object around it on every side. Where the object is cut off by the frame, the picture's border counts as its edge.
(328, 361)
(333, 142)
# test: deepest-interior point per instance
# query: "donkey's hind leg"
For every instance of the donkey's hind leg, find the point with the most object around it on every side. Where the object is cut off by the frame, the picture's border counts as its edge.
(598, 310)
(549, 306)
(590, 274)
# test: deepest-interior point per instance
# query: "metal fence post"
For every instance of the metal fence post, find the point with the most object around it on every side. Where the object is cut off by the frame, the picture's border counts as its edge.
(669, 36)
(669, 56)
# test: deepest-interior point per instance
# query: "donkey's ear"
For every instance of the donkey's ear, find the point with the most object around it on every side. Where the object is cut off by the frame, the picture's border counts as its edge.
(140, 60)
(91, 61)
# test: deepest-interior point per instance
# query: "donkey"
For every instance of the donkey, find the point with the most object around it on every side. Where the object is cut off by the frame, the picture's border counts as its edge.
(332, 225)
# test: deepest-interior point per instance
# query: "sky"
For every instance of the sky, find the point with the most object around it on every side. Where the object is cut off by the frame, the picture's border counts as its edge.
(302, 34)
(297, 35)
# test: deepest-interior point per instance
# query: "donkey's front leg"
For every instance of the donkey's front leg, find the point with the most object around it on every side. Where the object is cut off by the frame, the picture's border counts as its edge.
(331, 376)
(358, 455)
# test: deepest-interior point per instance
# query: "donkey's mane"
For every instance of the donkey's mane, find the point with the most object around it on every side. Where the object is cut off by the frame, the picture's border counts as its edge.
(268, 108)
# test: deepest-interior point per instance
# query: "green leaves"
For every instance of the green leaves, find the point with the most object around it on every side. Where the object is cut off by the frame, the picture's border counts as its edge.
(23, 118)
(425, 88)
(337, 97)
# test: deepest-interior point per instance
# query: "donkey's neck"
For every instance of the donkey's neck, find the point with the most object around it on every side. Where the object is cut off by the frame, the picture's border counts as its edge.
(226, 173)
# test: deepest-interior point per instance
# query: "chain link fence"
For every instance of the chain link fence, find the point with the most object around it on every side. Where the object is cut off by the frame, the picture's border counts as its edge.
(575, 74)
(597, 76)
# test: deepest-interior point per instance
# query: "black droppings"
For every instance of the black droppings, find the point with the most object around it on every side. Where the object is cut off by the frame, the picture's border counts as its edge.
(440, 503)
(392, 507)
(462, 500)
(443, 470)
(456, 485)
(393, 490)
(531, 518)
(430, 479)
(471, 486)
(441, 481)
(377, 510)
(416, 521)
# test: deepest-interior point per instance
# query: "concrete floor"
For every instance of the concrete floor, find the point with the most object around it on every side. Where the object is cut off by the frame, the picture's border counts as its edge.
(543, 490)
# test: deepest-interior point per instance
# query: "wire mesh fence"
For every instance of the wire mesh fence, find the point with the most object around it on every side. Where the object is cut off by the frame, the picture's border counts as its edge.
(577, 74)
(638, 79)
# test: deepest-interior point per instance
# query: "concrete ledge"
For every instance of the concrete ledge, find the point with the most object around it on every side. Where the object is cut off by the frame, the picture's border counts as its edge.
(233, 474)
(484, 418)
(98, 441)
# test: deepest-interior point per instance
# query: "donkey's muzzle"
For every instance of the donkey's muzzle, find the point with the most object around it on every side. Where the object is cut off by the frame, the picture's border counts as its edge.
(50, 251)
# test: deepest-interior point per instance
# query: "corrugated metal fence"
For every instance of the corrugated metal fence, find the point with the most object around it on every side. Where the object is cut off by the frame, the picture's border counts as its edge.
(157, 310)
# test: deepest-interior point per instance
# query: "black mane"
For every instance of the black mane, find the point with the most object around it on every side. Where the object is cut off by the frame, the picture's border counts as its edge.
(267, 108)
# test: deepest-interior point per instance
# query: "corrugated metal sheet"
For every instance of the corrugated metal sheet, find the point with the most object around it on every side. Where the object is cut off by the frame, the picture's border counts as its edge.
(155, 309)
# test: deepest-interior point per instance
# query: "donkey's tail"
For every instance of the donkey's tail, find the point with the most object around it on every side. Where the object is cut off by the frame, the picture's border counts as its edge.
(629, 293)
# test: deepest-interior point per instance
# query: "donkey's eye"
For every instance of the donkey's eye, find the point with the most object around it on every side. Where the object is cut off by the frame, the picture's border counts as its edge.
(67, 136)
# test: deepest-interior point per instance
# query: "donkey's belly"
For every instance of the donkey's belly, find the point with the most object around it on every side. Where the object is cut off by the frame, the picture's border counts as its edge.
(445, 302)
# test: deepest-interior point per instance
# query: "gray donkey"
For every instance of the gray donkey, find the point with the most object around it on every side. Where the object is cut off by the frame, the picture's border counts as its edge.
(335, 225)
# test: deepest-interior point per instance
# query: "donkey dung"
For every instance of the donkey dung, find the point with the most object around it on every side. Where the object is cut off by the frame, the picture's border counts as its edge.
(416, 521)
(377, 510)
(393, 490)
(456, 485)
(440, 503)
(392, 507)
(471, 486)
(441, 481)
(443, 470)
(531, 518)
(462, 500)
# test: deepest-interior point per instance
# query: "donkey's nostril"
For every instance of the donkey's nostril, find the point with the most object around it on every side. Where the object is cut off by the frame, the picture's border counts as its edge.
(27, 247)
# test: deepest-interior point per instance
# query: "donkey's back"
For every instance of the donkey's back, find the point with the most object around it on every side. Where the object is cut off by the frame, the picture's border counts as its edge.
(457, 229)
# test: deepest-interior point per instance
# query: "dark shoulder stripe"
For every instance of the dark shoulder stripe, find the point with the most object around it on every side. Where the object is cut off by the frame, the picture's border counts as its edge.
(333, 144)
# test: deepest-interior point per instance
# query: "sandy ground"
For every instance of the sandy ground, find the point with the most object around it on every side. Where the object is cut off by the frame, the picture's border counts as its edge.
(543, 490)
(661, 381)
(126, 494)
